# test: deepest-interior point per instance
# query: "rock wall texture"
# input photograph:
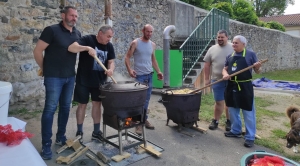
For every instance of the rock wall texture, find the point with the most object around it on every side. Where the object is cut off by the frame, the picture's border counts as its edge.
(22, 22)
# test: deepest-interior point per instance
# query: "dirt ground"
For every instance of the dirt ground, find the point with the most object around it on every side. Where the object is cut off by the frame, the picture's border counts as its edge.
(158, 112)
(281, 102)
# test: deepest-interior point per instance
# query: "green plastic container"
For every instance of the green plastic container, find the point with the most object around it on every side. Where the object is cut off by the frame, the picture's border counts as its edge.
(260, 154)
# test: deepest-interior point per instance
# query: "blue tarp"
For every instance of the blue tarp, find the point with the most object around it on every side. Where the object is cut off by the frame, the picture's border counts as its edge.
(271, 84)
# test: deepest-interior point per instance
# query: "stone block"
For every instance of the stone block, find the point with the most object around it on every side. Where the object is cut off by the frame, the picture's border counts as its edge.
(4, 19)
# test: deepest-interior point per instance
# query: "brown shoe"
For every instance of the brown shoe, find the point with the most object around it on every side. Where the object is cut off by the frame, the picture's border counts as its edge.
(148, 125)
(138, 130)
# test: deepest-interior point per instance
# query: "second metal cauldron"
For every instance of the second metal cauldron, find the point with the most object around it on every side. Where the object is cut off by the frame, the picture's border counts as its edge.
(182, 109)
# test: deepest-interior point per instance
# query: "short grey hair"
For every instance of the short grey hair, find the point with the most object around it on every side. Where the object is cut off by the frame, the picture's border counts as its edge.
(105, 28)
(241, 38)
(223, 31)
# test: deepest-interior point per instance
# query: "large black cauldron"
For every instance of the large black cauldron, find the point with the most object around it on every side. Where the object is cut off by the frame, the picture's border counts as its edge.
(182, 109)
(124, 94)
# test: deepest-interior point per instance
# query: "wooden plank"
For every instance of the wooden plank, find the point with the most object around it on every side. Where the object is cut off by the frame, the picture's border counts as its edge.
(203, 130)
(95, 159)
(118, 158)
(103, 157)
(151, 150)
(68, 144)
(256, 136)
(187, 133)
(140, 150)
(71, 157)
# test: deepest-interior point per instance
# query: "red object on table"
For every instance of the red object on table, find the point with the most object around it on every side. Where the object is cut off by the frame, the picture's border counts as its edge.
(11, 137)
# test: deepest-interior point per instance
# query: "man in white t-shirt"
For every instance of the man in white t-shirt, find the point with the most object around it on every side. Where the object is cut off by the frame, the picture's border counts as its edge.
(214, 64)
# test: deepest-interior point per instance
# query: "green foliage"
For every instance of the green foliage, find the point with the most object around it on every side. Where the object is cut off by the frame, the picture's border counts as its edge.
(25, 113)
(275, 25)
(204, 4)
(217, 1)
(270, 7)
(243, 11)
(261, 23)
(279, 133)
(224, 6)
(270, 143)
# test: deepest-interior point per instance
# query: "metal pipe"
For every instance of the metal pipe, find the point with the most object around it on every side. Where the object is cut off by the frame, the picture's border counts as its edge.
(108, 11)
(166, 50)
(144, 136)
(104, 133)
(120, 142)
(126, 134)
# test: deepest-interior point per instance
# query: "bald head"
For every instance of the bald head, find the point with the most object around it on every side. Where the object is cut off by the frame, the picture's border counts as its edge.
(147, 32)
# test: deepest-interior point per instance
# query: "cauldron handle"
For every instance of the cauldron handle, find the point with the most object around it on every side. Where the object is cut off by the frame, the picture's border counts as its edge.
(165, 91)
(102, 97)
(139, 83)
(162, 101)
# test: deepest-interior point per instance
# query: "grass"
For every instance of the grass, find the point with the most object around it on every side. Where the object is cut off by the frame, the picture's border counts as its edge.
(287, 75)
(261, 104)
(26, 114)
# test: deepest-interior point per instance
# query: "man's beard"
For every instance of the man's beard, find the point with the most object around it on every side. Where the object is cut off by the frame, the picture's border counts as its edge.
(146, 38)
(70, 23)
(221, 43)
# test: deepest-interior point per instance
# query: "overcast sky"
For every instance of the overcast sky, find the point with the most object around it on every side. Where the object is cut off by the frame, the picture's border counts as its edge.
(293, 9)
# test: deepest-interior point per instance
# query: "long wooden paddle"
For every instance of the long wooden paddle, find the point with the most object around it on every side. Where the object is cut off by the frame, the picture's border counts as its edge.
(231, 75)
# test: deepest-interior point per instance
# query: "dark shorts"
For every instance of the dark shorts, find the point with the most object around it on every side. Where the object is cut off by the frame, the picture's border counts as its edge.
(82, 94)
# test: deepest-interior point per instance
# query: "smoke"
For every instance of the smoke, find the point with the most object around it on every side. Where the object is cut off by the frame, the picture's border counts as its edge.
(121, 77)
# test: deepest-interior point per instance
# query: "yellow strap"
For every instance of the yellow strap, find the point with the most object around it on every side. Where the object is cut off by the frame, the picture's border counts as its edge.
(237, 82)
(235, 77)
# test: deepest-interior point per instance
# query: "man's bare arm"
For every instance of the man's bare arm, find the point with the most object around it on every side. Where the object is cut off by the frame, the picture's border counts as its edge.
(207, 66)
(154, 61)
(75, 48)
(38, 52)
(129, 55)
(111, 67)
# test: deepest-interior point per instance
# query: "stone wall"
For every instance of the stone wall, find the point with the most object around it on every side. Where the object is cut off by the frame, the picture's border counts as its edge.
(22, 22)
(281, 50)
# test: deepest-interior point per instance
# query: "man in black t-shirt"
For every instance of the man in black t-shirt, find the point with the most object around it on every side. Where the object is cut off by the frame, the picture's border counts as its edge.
(90, 75)
(58, 67)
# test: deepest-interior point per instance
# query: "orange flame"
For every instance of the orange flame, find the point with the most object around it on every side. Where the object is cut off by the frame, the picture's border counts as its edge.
(128, 121)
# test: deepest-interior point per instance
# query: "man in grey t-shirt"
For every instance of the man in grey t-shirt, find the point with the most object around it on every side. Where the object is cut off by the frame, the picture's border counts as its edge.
(214, 64)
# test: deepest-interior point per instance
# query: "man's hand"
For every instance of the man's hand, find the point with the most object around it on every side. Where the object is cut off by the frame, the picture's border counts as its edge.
(92, 52)
(160, 76)
(207, 82)
(109, 72)
(226, 77)
(132, 73)
(257, 65)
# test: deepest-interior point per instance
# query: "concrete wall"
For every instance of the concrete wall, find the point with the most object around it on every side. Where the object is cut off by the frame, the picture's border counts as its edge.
(23, 20)
(293, 30)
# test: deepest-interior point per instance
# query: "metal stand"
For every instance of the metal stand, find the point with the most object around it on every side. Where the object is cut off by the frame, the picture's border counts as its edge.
(126, 134)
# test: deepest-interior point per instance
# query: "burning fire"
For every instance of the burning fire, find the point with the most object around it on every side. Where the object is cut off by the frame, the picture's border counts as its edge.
(128, 121)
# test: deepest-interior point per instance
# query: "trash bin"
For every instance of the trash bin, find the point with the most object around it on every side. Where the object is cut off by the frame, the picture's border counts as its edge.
(5, 92)
(260, 154)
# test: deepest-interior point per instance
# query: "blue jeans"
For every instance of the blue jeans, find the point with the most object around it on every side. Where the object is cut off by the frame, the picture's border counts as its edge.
(146, 79)
(219, 89)
(249, 119)
(58, 90)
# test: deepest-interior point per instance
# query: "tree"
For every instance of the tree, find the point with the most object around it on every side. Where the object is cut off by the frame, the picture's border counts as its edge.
(275, 25)
(270, 7)
(217, 1)
(204, 4)
(243, 11)
(224, 6)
